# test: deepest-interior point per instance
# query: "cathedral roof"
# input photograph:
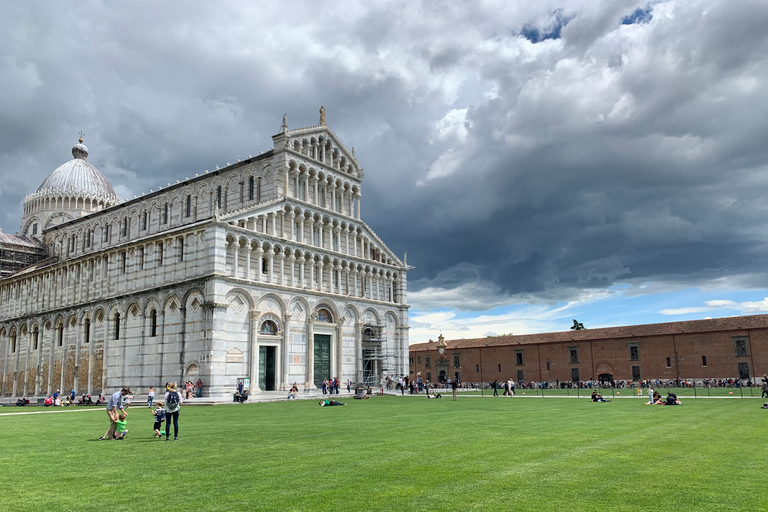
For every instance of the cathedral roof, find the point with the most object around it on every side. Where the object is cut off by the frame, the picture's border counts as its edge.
(79, 177)
(22, 241)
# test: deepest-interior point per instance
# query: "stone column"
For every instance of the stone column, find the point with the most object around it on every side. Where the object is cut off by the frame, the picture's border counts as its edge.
(291, 260)
(359, 351)
(236, 252)
(311, 231)
(253, 343)
(270, 258)
(76, 379)
(336, 279)
(346, 243)
(314, 190)
(260, 254)
(291, 217)
(359, 205)
(49, 391)
(321, 232)
(310, 381)
(354, 279)
(286, 346)
(285, 181)
(339, 348)
(160, 341)
(281, 258)
(248, 262)
(333, 202)
(302, 263)
(320, 267)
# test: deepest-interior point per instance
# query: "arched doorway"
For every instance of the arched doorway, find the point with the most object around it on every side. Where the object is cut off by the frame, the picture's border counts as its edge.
(605, 378)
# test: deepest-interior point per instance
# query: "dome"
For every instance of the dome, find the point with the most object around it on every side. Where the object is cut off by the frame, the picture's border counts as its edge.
(79, 177)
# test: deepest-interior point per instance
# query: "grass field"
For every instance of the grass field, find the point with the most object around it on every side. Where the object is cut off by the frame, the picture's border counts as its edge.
(396, 454)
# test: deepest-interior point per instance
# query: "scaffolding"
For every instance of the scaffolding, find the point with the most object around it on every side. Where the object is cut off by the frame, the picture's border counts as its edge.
(378, 355)
(16, 254)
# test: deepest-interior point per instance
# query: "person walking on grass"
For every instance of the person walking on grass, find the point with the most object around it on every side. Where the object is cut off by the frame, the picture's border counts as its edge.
(114, 405)
(172, 405)
(455, 388)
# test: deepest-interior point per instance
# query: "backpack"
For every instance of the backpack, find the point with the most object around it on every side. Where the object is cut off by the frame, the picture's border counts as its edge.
(173, 400)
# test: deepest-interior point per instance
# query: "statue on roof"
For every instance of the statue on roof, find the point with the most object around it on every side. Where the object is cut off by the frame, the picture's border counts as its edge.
(322, 115)
(284, 126)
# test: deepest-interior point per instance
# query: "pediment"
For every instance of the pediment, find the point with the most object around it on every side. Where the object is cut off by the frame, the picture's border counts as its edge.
(294, 139)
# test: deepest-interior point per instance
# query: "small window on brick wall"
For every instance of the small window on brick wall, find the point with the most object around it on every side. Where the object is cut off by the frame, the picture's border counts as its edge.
(634, 352)
(703, 360)
(669, 363)
(519, 358)
(740, 346)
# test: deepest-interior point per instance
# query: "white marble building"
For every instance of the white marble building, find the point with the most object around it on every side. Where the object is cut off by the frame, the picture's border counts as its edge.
(261, 270)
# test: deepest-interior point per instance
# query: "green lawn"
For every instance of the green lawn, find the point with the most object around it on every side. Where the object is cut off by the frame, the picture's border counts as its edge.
(396, 454)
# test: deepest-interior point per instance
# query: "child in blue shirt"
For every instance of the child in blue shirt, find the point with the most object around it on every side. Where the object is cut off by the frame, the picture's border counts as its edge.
(159, 415)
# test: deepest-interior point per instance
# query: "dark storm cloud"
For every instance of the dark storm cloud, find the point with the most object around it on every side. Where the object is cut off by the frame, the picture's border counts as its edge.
(544, 150)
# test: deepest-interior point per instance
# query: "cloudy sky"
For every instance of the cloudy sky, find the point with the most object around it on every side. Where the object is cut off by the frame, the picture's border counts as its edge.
(539, 161)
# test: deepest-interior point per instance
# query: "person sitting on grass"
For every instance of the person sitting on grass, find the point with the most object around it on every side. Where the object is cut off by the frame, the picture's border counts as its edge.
(21, 402)
(672, 399)
(436, 395)
(597, 397)
(324, 403)
(293, 394)
(159, 415)
(121, 427)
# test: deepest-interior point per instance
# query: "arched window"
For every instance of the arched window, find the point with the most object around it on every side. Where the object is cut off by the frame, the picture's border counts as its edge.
(218, 196)
(250, 188)
(189, 206)
(13, 343)
(165, 213)
(87, 329)
(323, 315)
(268, 327)
(153, 323)
(35, 338)
(144, 221)
(117, 326)
(60, 334)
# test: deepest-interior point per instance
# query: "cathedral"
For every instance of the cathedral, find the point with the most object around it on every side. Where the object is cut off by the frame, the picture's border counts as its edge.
(261, 273)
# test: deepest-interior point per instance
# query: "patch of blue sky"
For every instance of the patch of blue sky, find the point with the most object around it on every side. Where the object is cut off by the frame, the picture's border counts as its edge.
(552, 30)
(640, 16)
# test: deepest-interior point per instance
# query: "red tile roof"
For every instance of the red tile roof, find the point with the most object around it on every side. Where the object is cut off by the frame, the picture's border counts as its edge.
(735, 323)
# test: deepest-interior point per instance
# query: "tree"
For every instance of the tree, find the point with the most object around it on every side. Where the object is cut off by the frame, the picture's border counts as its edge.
(577, 326)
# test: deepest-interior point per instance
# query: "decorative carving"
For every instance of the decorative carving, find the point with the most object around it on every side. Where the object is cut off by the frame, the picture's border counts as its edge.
(237, 303)
(235, 355)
